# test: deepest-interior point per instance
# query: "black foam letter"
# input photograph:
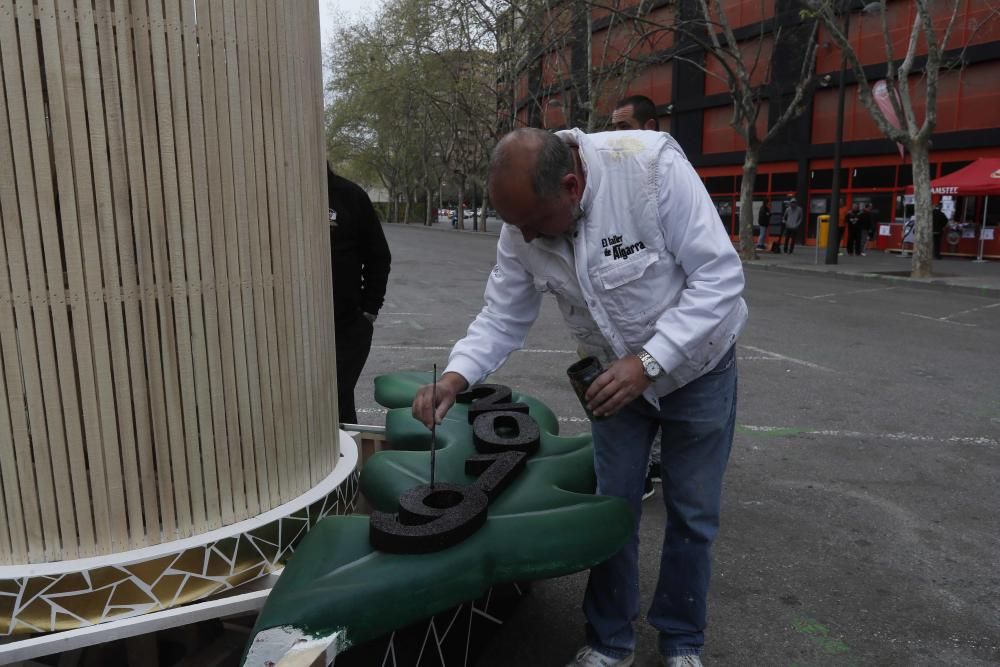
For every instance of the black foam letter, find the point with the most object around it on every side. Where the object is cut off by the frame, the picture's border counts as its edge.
(430, 519)
(489, 398)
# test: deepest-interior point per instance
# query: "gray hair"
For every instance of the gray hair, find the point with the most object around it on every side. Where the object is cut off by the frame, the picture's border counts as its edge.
(553, 160)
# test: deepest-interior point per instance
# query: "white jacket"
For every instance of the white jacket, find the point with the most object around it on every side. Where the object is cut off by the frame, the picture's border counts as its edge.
(648, 266)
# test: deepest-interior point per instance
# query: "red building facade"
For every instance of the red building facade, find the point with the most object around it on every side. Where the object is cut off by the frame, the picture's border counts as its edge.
(695, 106)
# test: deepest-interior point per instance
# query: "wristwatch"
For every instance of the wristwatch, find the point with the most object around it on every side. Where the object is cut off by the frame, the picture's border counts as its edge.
(649, 365)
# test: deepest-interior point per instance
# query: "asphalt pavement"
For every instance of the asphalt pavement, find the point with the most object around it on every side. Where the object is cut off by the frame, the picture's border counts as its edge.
(860, 522)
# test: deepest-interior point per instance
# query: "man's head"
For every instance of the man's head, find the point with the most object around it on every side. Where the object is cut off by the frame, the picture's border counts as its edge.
(793, 202)
(635, 113)
(534, 183)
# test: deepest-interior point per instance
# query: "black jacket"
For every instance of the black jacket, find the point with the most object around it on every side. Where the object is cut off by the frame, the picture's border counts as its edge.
(939, 220)
(360, 253)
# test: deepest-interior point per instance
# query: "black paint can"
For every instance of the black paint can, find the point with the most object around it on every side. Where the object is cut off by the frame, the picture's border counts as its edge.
(581, 375)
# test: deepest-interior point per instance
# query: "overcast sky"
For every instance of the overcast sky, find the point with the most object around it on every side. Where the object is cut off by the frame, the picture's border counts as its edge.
(332, 11)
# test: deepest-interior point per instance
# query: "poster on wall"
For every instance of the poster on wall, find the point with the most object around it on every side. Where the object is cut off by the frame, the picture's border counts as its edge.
(817, 206)
(988, 234)
(948, 206)
(884, 230)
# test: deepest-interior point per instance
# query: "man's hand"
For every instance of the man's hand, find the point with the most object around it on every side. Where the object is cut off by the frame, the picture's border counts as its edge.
(448, 386)
(619, 385)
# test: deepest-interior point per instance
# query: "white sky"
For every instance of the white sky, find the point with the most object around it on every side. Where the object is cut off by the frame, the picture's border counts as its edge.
(332, 11)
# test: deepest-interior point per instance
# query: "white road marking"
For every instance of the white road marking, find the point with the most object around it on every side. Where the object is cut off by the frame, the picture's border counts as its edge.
(981, 441)
(937, 319)
(775, 355)
(970, 310)
(906, 437)
(857, 291)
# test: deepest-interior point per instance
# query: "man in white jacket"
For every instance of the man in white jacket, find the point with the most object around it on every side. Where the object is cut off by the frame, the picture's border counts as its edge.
(620, 229)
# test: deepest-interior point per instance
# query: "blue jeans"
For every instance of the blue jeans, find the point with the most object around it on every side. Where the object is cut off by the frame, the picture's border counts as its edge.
(697, 424)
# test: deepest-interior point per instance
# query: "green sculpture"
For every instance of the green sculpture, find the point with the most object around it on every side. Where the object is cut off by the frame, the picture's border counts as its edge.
(547, 523)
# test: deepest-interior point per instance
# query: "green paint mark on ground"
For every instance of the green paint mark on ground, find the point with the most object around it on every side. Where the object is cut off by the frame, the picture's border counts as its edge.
(820, 635)
(768, 431)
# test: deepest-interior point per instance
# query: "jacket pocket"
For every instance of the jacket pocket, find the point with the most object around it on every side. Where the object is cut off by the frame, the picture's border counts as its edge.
(619, 275)
(627, 292)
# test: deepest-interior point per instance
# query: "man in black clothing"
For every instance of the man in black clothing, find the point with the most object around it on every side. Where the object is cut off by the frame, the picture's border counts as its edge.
(360, 273)
(939, 223)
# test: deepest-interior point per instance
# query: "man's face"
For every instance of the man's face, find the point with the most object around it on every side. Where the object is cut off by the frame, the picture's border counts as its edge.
(623, 118)
(518, 205)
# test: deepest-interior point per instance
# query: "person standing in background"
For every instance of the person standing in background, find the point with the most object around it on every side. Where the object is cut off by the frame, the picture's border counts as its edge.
(635, 113)
(939, 223)
(361, 262)
(763, 220)
(864, 223)
(791, 220)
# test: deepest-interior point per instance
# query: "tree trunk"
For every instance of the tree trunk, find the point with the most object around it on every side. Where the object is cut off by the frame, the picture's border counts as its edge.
(427, 214)
(747, 247)
(923, 230)
(460, 208)
(406, 209)
(486, 205)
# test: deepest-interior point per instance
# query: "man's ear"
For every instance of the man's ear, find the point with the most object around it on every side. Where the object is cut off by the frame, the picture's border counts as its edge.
(571, 184)
(651, 124)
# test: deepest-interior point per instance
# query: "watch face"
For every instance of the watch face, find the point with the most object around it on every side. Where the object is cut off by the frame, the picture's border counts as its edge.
(651, 367)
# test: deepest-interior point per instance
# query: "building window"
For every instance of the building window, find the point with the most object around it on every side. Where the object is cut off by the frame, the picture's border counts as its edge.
(720, 184)
(874, 177)
(785, 182)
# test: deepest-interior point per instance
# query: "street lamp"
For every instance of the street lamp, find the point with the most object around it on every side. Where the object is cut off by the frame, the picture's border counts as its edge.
(833, 228)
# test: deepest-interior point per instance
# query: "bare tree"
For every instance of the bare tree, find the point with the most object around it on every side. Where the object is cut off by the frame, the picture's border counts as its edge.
(905, 78)
(747, 67)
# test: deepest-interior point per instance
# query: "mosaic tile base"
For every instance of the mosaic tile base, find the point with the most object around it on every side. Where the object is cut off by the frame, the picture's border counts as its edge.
(77, 599)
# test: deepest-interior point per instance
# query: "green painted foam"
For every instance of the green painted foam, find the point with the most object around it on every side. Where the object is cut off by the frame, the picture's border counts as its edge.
(548, 523)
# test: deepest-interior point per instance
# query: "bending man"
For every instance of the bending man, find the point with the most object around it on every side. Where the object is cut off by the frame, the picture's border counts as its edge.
(620, 229)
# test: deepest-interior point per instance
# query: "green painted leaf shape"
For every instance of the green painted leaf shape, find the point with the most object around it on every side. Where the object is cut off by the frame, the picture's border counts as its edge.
(547, 523)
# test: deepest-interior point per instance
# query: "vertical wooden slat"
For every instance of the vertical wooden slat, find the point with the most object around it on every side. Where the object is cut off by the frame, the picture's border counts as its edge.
(106, 138)
(146, 292)
(13, 426)
(201, 459)
(130, 379)
(212, 51)
(41, 245)
(180, 367)
(329, 440)
(225, 83)
(243, 167)
(83, 256)
(271, 257)
(16, 329)
(292, 232)
(157, 146)
(280, 243)
(310, 195)
(214, 259)
(119, 427)
(257, 189)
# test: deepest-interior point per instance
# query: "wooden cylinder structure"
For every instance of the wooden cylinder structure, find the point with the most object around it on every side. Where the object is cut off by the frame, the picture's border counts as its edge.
(166, 318)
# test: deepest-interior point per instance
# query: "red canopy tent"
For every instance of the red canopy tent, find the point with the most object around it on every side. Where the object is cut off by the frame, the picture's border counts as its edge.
(981, 178)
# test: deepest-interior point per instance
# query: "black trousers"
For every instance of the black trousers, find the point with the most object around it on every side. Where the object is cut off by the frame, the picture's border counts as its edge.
(354, 342)
(937, 245)
(853, 240)
(788, 238)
